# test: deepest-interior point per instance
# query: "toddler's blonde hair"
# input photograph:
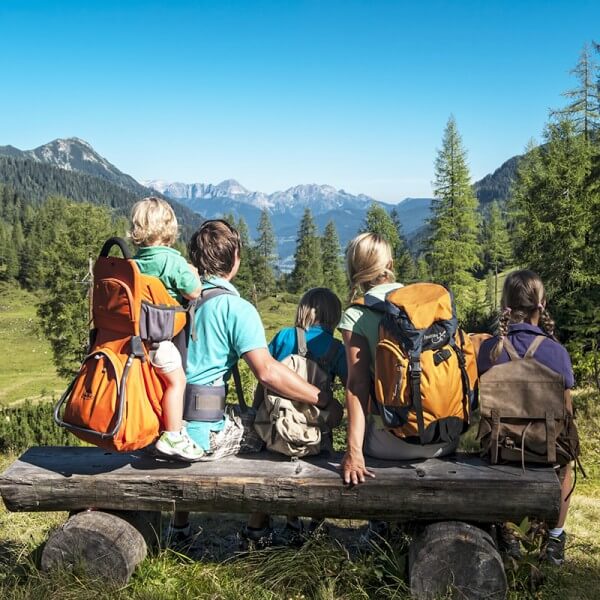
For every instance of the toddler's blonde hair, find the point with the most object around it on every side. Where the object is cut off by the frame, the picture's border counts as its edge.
(153, 223)
(368, 263)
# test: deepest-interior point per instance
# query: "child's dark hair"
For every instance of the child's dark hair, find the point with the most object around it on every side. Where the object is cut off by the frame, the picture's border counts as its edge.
(522, 295)
(213, 247)
(319, 305)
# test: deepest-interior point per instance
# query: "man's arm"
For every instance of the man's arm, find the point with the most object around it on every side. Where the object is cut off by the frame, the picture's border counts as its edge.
(282, 380)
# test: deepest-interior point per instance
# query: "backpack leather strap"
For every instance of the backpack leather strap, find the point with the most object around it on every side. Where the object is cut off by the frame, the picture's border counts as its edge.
(301, 341)
(510, 350)
(534, 346)
(494, 435)
(551, 437)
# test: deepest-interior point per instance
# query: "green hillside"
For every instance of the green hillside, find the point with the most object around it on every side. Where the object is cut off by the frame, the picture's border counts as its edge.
(26, 369)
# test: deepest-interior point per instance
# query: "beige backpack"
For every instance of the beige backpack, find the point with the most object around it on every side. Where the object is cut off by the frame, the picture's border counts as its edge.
(295, 428)
(524, 412)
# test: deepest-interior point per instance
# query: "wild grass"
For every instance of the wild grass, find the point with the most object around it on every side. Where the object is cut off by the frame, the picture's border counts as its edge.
(26, 369)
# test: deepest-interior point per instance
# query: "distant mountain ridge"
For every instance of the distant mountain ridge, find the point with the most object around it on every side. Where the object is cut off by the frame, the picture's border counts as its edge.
(286, 207)
(72, 168)
(73, 155)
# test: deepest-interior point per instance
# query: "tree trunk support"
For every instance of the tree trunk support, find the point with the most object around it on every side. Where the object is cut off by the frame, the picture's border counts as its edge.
(457, 558)
(102, 545)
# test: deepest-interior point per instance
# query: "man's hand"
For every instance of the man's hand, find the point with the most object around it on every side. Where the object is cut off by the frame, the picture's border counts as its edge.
(354, 470)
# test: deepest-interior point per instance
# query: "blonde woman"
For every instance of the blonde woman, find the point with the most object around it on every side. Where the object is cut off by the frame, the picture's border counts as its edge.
(369, 266)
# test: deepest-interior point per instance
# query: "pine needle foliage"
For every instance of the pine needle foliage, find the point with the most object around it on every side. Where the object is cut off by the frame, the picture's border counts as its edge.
(264, 258)
(453, 249)
(308, 266)
(333, 272)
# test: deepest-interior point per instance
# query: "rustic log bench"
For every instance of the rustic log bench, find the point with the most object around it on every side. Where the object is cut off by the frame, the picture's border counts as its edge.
(127, 492)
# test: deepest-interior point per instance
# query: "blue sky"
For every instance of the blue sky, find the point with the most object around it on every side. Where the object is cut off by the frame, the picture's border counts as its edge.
(355, 94)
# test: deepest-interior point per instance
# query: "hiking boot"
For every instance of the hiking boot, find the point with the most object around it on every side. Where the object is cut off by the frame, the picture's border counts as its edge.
(554, 552)
(179, 446)
(291, 535)
(178, 538)
(508, 543)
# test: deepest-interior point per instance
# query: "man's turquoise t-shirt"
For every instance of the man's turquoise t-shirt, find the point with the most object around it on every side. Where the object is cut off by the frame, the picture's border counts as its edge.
(170, 267)
(227, 327)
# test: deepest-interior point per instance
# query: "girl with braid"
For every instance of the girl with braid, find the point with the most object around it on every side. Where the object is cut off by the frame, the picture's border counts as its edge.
(523, 311)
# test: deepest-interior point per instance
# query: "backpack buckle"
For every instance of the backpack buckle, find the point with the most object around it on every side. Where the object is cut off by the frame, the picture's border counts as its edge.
(137, 347)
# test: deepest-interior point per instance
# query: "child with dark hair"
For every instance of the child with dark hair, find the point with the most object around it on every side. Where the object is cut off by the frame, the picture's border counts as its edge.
(318, 313)
(523, 311)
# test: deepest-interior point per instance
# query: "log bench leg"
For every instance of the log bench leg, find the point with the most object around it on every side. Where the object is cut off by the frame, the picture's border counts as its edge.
(456, 557)
(101, 544)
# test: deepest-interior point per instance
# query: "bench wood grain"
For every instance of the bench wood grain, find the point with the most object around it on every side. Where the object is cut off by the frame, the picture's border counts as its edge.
(457, 488)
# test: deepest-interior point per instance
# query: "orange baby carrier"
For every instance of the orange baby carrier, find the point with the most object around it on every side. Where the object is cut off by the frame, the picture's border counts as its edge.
(425, 369)
(115, 400)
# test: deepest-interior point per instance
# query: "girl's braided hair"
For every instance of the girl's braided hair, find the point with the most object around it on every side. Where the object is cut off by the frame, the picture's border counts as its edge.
(522, 295)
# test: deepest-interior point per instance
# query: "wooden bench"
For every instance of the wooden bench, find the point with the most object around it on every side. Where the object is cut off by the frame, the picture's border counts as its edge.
(127, 492)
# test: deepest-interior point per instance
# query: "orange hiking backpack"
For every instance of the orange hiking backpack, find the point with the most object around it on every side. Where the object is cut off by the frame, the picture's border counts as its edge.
(115, 400)
(425, 369)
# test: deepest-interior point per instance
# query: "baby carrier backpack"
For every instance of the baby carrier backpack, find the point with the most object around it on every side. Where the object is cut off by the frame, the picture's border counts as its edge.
(115, 400)
(425, 368)
(296, 428)
(524, 412)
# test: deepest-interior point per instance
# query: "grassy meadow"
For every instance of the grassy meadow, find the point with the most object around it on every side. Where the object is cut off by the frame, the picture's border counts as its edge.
(328, 567)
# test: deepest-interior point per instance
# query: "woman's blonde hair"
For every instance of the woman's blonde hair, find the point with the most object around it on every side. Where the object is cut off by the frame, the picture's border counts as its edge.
(522, 295)
(319, 305)
(368, 263)
(153, 222)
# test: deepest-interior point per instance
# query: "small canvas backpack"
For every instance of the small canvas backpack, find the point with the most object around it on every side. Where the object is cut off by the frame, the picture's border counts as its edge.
(525, 416)
(295, 428)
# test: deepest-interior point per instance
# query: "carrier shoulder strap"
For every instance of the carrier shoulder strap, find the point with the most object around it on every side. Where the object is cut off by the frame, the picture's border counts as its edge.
(205, 296)
(510, 350)
(537, 341)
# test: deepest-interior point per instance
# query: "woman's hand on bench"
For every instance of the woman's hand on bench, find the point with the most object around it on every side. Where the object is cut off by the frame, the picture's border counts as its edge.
(354, 470)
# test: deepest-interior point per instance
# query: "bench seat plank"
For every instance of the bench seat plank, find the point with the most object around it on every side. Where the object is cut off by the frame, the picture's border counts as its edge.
(462, 487)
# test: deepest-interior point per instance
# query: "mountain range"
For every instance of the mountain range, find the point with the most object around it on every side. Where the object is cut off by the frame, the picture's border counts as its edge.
(75, 158)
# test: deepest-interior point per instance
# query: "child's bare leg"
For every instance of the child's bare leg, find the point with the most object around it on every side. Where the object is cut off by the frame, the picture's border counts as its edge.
(172, 401)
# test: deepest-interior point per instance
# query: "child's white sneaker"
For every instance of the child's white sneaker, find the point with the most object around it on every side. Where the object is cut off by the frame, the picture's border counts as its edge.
(178, 445)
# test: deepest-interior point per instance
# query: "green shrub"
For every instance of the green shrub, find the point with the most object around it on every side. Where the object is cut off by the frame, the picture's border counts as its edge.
(31, 425)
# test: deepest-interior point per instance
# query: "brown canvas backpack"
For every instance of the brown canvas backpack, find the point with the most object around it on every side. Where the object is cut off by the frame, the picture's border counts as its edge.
(296, 428)
(525, 414)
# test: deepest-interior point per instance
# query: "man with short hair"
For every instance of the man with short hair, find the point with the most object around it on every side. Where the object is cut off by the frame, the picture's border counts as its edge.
(226, 328)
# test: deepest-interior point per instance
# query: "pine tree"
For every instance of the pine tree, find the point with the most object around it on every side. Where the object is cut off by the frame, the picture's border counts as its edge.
(308, 267)
(75, 232)
(453, 249)
(265, 256)
(496, 245)
(552, 209)
(378, 220)
(9, 264)
(333, 272)
(404, 265)
(244, 281)
(584, 108)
